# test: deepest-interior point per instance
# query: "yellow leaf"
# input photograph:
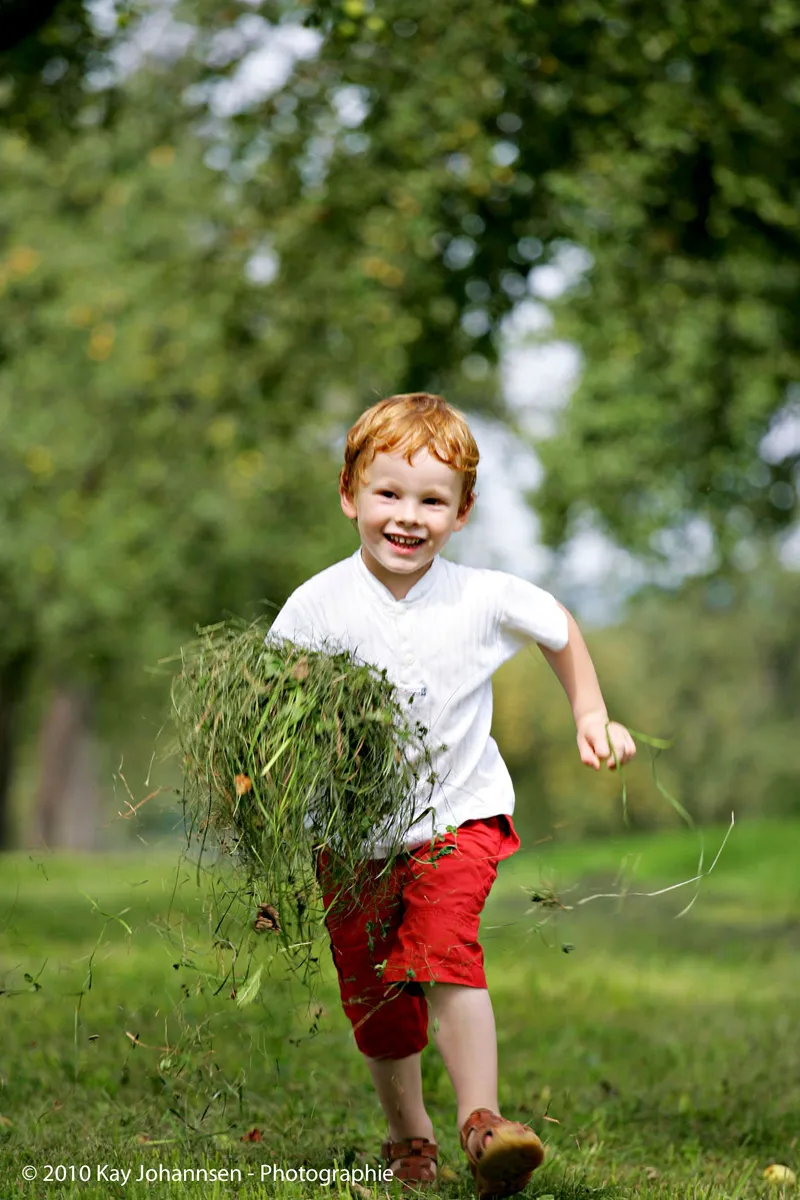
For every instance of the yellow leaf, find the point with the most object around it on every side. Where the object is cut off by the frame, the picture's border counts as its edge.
(80, 315)
(248, 464)
(161, 156)
(22, 260)
(779, 1175)
(39, 461)
(14, 149)
(221, 432)
(118, 194)
(43, 560)
(101, 342)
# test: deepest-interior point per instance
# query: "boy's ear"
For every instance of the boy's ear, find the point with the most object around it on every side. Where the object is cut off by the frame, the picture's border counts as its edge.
(348, 506)
(464, 516)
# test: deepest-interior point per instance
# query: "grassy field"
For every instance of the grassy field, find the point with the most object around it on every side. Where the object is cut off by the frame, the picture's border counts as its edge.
(658, 1057)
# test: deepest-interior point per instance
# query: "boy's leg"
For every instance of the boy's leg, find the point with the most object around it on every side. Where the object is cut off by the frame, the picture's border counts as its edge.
(464, 1032)
(502, 1153)
(389, 1020)
(437, 946)
(398, 1082)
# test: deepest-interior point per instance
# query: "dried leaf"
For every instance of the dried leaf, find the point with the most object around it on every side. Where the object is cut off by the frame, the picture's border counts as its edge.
(779, 1175)
(244, 784)
(267, 920)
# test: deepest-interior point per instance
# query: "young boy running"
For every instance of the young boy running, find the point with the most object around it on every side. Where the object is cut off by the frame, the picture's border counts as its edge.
(440, 630)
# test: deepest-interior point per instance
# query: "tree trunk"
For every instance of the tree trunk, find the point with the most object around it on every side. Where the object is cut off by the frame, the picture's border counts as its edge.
(67, 801)
(14, 676)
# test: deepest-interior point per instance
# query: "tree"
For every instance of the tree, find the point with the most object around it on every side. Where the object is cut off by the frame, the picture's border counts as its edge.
(686, 196)
(46, 49)
(153, 476)
(173, 418)
(486, 140)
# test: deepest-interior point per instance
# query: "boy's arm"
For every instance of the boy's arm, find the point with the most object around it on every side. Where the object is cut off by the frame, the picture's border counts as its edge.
(575, 671)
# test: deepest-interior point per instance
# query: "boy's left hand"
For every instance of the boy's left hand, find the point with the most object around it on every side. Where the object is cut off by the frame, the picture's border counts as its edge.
(593, 742)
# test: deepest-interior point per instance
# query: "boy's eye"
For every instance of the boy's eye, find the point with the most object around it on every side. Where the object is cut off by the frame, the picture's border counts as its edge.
(434, 500)
(385, 493)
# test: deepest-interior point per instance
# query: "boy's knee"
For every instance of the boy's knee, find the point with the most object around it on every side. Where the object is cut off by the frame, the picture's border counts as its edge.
(391, 1042)
(393, 1027)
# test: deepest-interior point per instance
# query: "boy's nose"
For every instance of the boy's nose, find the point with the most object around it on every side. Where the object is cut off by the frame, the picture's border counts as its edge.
(408, 513)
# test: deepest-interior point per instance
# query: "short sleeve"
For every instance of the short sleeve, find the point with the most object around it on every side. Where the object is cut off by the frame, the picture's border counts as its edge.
(294, 623)
(528, 613)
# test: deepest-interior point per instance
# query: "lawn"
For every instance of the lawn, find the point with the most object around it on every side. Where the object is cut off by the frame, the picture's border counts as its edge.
(657, 1056)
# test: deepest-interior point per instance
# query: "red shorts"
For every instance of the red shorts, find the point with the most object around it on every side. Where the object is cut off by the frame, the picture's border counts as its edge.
(417, 924)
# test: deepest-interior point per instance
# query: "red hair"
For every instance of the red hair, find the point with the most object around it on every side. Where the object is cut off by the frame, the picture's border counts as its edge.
(411, 422)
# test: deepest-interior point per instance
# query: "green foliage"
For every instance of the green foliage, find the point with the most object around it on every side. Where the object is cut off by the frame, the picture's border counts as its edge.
(171, 423)
(720, 667)
(156, 477)
(685, 193)
(289, 754)
(47, 49)
(400, 240)
(494, 139)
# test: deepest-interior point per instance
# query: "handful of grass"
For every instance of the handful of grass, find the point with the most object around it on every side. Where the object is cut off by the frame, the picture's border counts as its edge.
(290, 752)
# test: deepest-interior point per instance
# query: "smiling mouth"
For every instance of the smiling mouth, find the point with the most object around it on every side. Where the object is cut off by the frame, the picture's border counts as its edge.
(396, 540)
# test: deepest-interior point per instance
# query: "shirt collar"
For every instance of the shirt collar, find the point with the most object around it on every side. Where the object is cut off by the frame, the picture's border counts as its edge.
(419, 591)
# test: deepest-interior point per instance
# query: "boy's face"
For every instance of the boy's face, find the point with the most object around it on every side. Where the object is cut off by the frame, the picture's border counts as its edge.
(405, 513)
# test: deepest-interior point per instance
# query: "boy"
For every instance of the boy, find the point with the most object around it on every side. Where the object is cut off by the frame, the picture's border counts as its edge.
(440, 630)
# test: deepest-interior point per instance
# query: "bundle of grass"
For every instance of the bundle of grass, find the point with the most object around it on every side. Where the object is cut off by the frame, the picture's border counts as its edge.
(289, 754)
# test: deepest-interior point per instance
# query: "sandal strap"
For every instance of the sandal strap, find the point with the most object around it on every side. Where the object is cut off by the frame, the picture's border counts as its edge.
(410, 1148)
(416, 1160)
(479, 1117)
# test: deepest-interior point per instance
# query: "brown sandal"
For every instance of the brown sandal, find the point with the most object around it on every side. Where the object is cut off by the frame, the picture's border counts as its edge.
(417, 1161)
(509, 1153)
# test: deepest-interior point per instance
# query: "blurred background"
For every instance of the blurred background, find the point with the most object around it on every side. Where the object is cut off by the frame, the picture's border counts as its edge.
(227, 228)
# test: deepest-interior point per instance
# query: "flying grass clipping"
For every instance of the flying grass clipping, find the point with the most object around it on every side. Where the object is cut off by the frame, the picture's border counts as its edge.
(291, 753)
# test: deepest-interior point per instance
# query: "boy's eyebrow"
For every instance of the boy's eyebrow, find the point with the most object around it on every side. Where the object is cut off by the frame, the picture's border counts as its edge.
(434, 489)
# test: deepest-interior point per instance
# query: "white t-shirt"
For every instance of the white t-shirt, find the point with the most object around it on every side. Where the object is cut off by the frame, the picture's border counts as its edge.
(440, 646)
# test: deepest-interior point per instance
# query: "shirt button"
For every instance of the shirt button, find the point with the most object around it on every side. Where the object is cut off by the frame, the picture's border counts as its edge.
(409, 660)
